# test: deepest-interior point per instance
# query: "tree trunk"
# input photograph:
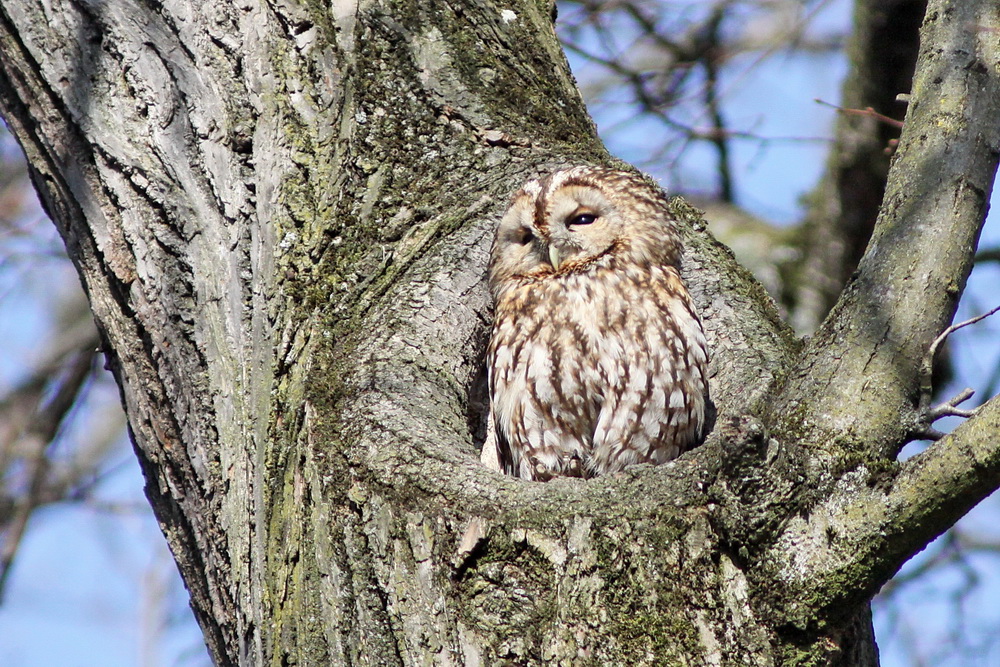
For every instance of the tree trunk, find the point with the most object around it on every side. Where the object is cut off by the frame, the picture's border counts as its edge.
(281, 214)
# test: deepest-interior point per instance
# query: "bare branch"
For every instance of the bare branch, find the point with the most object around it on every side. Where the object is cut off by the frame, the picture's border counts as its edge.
(927, 367)
(860, 364)
(867, 111)
(926, 415)
(46, 419)
(864, 531)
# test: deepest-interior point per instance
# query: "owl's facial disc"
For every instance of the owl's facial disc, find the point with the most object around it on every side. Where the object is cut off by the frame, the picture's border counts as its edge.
(519, 248)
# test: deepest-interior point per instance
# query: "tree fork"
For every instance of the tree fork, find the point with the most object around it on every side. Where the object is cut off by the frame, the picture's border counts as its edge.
(281, 215)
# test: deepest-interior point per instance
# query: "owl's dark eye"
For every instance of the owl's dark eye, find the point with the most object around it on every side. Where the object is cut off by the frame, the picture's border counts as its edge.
(582, 219)
(526, 237)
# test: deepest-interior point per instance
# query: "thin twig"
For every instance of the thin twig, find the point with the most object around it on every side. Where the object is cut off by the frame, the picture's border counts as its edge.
(927, 415)
(867, 111)
(927, 366)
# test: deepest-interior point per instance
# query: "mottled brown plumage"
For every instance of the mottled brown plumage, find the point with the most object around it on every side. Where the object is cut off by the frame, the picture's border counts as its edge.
(597, 358)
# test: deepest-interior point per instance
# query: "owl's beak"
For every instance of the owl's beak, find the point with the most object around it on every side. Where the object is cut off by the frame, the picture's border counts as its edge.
(554, 256)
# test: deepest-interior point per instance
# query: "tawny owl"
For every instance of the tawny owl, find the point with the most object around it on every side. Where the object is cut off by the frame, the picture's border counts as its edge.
(597, 359)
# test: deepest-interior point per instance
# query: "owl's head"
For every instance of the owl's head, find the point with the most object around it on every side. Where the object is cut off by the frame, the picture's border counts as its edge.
(578, 219)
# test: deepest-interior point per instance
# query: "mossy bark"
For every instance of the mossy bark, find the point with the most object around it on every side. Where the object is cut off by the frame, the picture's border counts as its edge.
(281, 214)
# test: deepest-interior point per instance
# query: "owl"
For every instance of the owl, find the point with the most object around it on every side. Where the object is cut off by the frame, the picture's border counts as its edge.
(597, 359)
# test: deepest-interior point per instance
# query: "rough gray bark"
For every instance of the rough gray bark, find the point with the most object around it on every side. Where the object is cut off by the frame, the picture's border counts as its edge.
(281, 214)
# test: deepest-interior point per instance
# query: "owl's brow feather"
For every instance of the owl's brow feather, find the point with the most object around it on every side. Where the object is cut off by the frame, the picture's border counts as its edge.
(640, 190)
(545, 186)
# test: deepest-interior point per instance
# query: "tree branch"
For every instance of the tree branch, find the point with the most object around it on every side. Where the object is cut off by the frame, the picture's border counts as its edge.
(856, 540)
(862, 367)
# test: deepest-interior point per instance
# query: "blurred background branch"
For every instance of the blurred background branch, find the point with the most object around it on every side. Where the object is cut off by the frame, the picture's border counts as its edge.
(64, 458)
